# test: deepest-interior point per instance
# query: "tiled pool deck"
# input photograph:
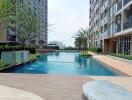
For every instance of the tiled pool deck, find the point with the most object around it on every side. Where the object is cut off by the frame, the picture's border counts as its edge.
(51, 87)
(47, 86)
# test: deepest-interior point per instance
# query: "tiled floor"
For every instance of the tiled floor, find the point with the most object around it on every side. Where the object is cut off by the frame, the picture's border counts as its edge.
(7, 93)
(52, 87)
(47, 86)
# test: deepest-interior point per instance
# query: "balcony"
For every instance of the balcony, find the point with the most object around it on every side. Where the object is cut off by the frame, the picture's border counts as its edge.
(128, 18)
(118, 22)
(106, 4)
(105, 34)
(118, 28)
(128, 23)
(11, 37)
(119, 4)
(126, 1)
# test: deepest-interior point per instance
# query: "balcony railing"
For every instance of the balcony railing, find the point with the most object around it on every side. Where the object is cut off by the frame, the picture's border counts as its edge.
(128, 23)
(126, 1)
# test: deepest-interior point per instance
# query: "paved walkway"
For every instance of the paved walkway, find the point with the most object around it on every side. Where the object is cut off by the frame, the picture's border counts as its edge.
(124, 67)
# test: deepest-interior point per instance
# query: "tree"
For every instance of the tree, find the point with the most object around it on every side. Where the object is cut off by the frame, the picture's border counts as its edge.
(7, 11)
(26, 24)
(23, 19)
(78, 42)
(81, 39)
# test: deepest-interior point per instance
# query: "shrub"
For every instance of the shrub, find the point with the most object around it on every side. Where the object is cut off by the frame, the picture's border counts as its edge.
(84, 54)
(3, 64)
(70, 48)
(33, 57)
(129, 57)
(96, 50)
(99, 50)
(31, 49)
(17, 48)
(1, 48)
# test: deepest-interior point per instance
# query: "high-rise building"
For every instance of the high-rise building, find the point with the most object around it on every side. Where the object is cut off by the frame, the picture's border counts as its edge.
(111, 25)
(40, 10)
(39, 7)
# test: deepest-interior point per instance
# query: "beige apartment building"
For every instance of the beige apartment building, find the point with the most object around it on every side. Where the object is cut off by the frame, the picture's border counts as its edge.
(111, 25)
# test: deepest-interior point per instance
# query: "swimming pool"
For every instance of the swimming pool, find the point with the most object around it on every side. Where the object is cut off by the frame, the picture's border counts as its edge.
(64, 63)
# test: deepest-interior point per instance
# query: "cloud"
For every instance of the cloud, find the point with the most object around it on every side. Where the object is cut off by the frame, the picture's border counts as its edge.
(67, 16)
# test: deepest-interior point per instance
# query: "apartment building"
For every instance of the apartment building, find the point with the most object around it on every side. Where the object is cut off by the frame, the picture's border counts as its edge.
(39, 7)
(111, 25)
(40, 10)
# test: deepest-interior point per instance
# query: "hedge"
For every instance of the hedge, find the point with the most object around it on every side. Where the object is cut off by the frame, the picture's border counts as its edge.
(129, 57)
(17, 48)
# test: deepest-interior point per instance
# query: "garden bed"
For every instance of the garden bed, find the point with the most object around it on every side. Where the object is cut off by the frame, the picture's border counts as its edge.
(129, 57)
(85, 54)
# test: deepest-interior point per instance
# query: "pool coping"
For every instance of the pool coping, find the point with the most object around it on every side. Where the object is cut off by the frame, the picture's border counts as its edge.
(114, 70)
(122, 74)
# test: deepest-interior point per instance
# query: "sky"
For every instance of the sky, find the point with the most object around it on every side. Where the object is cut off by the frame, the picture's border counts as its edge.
(65, 18)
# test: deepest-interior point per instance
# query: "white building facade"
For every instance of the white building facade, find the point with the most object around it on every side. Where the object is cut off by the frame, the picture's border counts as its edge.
(111, 25)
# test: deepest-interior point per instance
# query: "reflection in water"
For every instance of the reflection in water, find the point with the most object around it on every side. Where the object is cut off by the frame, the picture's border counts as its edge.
(43, 57)
(56, 53)
(82, 61)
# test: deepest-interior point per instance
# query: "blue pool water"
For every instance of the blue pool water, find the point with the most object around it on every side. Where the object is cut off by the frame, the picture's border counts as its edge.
(64, 63)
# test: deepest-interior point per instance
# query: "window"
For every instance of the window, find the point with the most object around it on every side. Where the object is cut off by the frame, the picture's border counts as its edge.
(113, 9)
(124, 45)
